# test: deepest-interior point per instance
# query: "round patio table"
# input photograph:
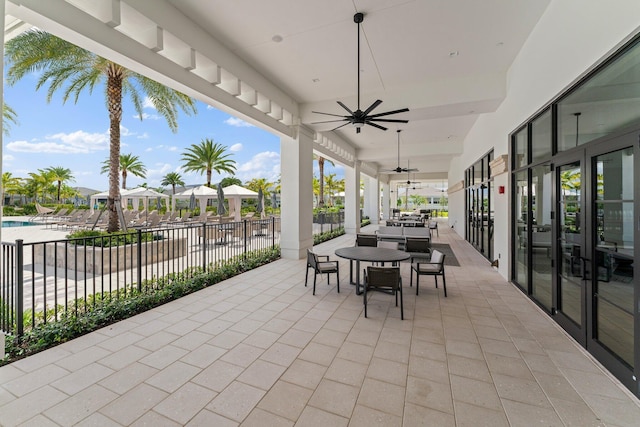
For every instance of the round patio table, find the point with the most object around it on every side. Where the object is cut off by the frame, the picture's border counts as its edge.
(370, 254)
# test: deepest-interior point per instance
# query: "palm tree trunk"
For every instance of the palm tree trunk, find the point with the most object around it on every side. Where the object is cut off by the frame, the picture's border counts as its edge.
(59, 186)
(114, 100)
(208, 177)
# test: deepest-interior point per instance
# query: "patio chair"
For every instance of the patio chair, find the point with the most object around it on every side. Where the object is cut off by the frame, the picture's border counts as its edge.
(366, 240)
(321, 265)
(388, 245)
(418, 247)
(386, 280)
(434, 226)
(434, 267)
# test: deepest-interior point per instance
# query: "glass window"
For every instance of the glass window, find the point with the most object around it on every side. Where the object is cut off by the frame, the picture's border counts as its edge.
(541, 136)
(607, 101)
(520, 152)
(540, 246)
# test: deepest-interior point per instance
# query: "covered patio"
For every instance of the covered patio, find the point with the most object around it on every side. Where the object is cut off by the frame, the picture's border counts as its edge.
(259, 349)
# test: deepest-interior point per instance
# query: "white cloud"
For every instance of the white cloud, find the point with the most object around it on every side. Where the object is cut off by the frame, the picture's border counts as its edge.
(159, 170)
(235, 147)
(172, 148)
(147, 116)
(147, 103)
(7, 158)
(143, 136)
(263, 165)
(78, 142)
(232, 121)
(148, 150)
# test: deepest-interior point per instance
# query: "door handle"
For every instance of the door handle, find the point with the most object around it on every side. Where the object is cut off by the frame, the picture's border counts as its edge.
(584, 261)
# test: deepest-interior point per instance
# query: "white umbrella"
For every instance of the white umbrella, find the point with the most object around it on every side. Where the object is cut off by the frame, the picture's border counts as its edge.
(235, 194)
(202, 193)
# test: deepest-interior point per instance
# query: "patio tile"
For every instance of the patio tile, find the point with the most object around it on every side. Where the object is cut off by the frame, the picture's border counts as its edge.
(383, 396)
(242, 355)
(392, 351)
(475, 392)
(125, 357)
(206, 418)
(521, 414)
(127, 378)
(285, 400)
(415, 415)
(318, 353)
(82, 378)
(296, 338)
(163, 357)
(305, 374)
(468, 415)
(173, 376)
(262, 374)
(236, 401)
(280, 354)
(429, 394)
(34, 380)
(218, 375)
(77, 407)
(153, 418)
(347, 372)
(184, 403)
(30, 405)
(365, 417)
(133, 404)
(388, 370)
(314, 417)
(334, 397)
(261, 418)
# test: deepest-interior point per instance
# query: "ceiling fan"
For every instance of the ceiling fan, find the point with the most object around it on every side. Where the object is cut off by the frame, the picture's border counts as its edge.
(401, 169)
(360, 118)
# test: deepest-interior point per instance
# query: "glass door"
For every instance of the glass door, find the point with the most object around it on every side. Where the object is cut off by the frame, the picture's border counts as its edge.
(614, 295)
(572, 270)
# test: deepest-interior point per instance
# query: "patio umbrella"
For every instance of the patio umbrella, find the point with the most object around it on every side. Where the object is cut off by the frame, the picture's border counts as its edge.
(221, 209)
(192, 202)
(260, 208)
(274, 200)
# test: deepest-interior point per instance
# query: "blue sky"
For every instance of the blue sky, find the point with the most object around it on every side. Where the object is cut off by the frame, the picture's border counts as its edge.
(75, 136)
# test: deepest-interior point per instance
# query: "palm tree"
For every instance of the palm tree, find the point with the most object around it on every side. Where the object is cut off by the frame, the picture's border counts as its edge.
(172, 179)
(129, 164)
(230, 180)
(321, 161)
(10, 185)
(60, 175)
(62, 65)
(316, 190)
(260, 183)
(332, 185)
(8, 116)
(208, 157)
(40, 182)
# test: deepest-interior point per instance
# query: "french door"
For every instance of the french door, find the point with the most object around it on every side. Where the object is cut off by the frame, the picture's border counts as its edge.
(595, 293)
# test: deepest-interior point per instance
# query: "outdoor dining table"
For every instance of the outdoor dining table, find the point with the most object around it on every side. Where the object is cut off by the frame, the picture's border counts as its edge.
(370, 254)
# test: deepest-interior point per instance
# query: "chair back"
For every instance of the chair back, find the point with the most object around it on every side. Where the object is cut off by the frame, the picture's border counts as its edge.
(417, 244)
(388, 245)
(366, 240)
(312, 259)
(437, 257)
(383, 277)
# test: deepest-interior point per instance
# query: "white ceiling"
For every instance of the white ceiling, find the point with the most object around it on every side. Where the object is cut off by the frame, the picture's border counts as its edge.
(407, 60)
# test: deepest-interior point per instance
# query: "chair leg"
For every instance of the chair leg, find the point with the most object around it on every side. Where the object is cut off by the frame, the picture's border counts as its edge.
(315, 275)
(401, 304)
(444, 284)
(306, 277)
(411, 277)
(436, 279)
(417, 283)
(365, 301)
(338, 279)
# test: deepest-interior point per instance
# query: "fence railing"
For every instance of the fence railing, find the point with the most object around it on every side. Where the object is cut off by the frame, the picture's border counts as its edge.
(41, 281)
(327, 221)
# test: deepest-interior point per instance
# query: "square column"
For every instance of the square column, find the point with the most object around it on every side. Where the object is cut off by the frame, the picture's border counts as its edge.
(296, 158)
(372, 199)
(352, 198)
(386, 200)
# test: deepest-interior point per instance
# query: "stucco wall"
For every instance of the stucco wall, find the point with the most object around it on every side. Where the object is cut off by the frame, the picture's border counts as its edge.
(571, 37)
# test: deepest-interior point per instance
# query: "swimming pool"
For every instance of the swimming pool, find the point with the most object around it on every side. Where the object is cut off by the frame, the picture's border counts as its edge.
(7, 224)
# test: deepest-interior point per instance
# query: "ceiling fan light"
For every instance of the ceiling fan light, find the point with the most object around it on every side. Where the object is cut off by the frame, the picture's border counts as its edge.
(358, 124)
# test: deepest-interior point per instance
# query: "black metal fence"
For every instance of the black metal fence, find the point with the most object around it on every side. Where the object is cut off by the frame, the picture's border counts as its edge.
(327, 221)
(41, 281)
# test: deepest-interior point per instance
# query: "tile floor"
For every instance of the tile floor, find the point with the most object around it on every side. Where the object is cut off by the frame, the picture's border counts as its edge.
(260, 350)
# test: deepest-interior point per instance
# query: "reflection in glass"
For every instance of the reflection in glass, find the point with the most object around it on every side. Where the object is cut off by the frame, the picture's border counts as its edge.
(541, 136)
(614, 253)
(541, 208)
(608, 101)
(521, 210)
(520, 158)
(570, 242)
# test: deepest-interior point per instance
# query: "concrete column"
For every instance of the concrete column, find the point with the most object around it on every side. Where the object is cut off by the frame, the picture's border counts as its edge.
(366, 206)
(352, 198)
(372, 199)
(386, 200)
(296, 158)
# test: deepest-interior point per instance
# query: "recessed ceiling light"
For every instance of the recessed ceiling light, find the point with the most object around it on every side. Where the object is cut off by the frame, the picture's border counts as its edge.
(453, 53)
(500, 44)
(316, 80)
(277, 38)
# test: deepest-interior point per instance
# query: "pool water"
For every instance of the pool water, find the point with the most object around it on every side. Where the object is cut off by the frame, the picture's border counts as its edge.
(6, 224)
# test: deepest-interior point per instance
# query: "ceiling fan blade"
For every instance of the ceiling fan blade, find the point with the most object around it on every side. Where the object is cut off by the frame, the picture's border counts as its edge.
(374, 125)
(329, 121)
(372, 106)
(345, 107)
(329, 114)
(336, 128)
(388, 120)
(402, 110)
